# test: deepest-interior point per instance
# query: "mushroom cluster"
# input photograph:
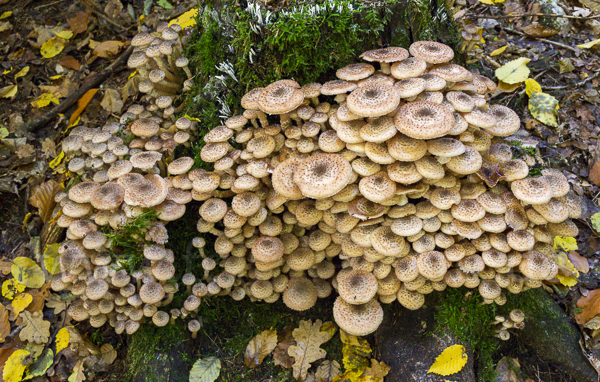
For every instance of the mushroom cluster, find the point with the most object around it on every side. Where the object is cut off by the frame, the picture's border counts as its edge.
(514, 320)
(384, 184)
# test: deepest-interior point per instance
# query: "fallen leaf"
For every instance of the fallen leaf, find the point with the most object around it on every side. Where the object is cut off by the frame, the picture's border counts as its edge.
(589, 44)
(165, 4)
(280, 354)
(108, 49)
(51, 259)
(131, 87)
(69, 62)
(25, 151)
(55, 302)
(186, 20)
(565, 243)
(507, 370)
(77, 375)
(35, 328)
(532, 86)
(4, 323)
(590, 306)
(491, 2)
(20, 302)
(565, 65)
(356, 352)
(579, 262)
(327, 370)
(11, 287)
(514, 71)
(595, 178)
(41, 364)
(107, 354)
(205, 370)
(376, 372)
(5, 26)
(309, 339)
(543, 107)
(15, 366)
(259, 347)
(27, 272)
(45, 100)
(498, 51)
(79, 23)
(57, 161)
(591, 4)
(5, 15)
(62, 339)
(22, 73)
(38, 301)
(42, 198)
(8, 91)
(537, 30)
(81, 104)
(53, 47)
(111, 101)
(451, 361)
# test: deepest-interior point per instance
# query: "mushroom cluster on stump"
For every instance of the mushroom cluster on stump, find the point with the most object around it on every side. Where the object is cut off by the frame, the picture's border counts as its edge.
(383, 184)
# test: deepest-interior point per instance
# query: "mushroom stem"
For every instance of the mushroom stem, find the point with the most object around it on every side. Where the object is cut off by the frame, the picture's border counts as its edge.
(385, 67)
(340, 98)
(315, 100)
(206, 274)
(194, 335)
(262, 117)
(285, 120)
(168, 300)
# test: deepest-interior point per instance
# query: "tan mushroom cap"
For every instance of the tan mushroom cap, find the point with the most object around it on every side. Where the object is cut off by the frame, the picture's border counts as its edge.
(245, 204)
(267, 249)
(466, 163)
(451, 72)
(432, 265)
(521, 240)
(532, 190)
(494, 258)
(322, 175)
(387, 243)
(424, 120)
(507, 121)
(554, 211)
(389, 54)
(144, 191)
(154, 252)
(433, 83)
(431, 52)
(471, 264)
(468, 210)
(514, 169)
(409, 299)
(407, 226)
(357, 286)
(489, 289)
(300, 295)
(337, 87)
(410, 87)
(406, 149)
(145, 160)
(460, 101)
(536, 266)
(445, 147)
(152, 293)
(108, 197)
(355, 72)
(378, 130)
(82, 192)
(408, 68)
(180, 166)
(403, 172)
(378, 187)
(163, 270)
(373, 100)
(283, 178)
(280, 97)
(96, 289)
(357, 320)
(145, 127)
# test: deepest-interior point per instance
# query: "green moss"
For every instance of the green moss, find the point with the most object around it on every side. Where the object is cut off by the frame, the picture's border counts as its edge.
(465, 316)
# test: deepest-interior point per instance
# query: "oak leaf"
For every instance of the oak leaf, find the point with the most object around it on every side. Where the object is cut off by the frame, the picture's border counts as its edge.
(590, 306)
(259, 348)
(35, 328)
(280, 354)
(376, 372)
(595, 178)
(77, 375)
(309, 339)
(327, 370)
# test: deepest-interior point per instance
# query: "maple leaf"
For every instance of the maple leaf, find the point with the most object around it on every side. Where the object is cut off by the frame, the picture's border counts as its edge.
(35, 328)
(259, 347)
(309, 339)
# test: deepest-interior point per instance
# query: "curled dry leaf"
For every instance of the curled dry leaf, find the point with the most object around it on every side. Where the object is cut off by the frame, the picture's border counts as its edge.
(590, 306)
(309, 339)
(259, 348)
(579, 262)
(280, 354)
(508, 370)
(43, 198)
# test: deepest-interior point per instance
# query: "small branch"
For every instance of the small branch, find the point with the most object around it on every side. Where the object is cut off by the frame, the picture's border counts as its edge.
(101, 14)
(543, 40)
(38, 122)
(539, 15)
(577, 84)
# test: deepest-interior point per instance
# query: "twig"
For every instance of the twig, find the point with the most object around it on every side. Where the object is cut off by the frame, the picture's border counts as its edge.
(101, 14)
(542, 40)
(38, 122)
(577, 84)
(539, 15)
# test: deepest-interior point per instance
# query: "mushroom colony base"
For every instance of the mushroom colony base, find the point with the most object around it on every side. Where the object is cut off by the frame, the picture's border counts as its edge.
(385, 184)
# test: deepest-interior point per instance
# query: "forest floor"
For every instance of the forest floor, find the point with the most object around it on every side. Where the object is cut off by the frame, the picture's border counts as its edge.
(89, 35)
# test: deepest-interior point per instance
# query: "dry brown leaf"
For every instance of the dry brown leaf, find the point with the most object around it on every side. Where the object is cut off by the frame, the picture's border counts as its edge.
(108, 49)
(579, 262)
(70, 62)
(327, 370)
(25, 151)
(81, 104)
(111, 101)
(77, 375)
(377, 371)
(4, 323)
(280, 354)
(131, 87)
(107, 354)
(5, 266)
(113, 8)
(259, 347)
(43, 199)
(594, 5)
(79, 23)
(595, 174)
(54, 302)
(590, 306)
(507, 370)
(309, 339)
(39, 298)
(538, 30)
(507, 88)
(35, 328)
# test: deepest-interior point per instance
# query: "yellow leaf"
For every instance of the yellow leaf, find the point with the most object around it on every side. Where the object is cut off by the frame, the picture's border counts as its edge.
(8, 91)
(56, 161)
(15, 366)
(451, 361)
(188, 19)
(595, 220)
(259, 347)
(6, 71)
(194, 119)
(491, 2)
(11, 287)
(21, 301)
(56, 77)
(27, 272)
(543, 107)
(66, 34)
(498, 51)
(23, 72)
(205, 370)
(132, 74)
(355, 352)
(45, 100)
(51, 258)
(307, 350)
(4, 323)
(5, 15)
(81, 105)
(567, 280)
(62, 339)
(52, 47)
(565, 243)
(532, 86)
(589, 44)
(514, 71)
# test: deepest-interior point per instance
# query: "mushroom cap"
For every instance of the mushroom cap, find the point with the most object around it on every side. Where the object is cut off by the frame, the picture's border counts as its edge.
(408, 68)
(433, 83)
(145, 160)
(406, 149)
(357, 320)
(410, 87)
(144, 191)
(402, 172)
(494, 258)
(82, 192)
(145, 127)
(471, 264)
(445, 147)
(411, 300)
(432, 265)
(300, 294)
(154, 252)
(108, 197)
(378, 187)
(283, 178)
(356, 286)
(163, 270)
(96, 289)
(489, 289)
(373, 100)
(424, 120)
(180, 166)
(451, 72)
(213, 210)
(152, 293)
(322, 175)
(389, 54)
(507, 121)
(461, 102)
(267, 249)
(355, 72)
(536, 266)
(337, 87)
(532, 190)
(378, 130)
(431, 51)
(468, 210)
(466, 163)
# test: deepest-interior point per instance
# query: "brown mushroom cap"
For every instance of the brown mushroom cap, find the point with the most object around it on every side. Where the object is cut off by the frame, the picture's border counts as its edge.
(389, 54)
(424, 120)
(356, 286)
(355, 72)
(406, 149)
(152, 293)
(373, 100)
(410, 299)
(322, 175)
(431, 52)
(283, 178)
(267, 249)
(108, 197)
(280, 97)
(432, 265)
(408, 68)
(300, 295)
(357, 320)
(507, 121)
(532, 190)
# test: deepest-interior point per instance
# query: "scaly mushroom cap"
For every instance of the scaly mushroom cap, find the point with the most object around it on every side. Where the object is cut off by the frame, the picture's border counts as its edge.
(356, 287)
(322, 175)
(145, 127)
(431, 52)
(507, 121)
(357, 320)
(389, 54)
(283, 178)
(108, 197)
(406, 149)
(408, 68)
(424, 120)
(152, 293)
(432, 265)
(355, 72)
(536, 266)
(267, 249)
(82, 192)
(280, 97)
(300, 295)
(532, 190)
(489, 289)
(373, 100)
(410, 299)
